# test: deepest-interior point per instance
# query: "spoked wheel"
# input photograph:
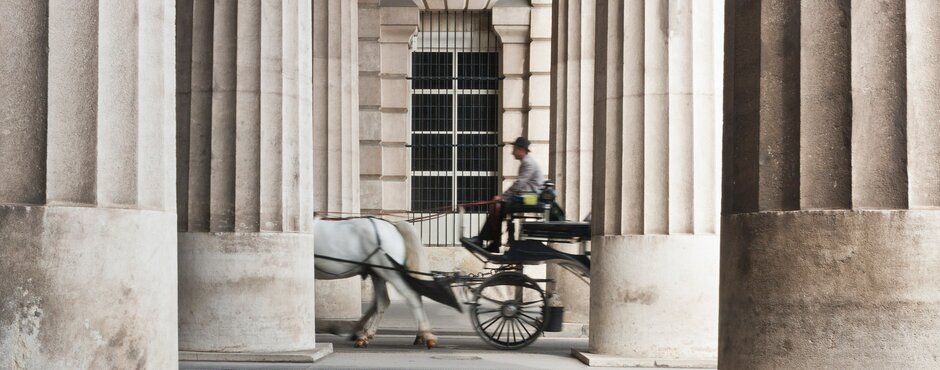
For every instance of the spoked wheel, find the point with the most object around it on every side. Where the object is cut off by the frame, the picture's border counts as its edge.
(508, 310)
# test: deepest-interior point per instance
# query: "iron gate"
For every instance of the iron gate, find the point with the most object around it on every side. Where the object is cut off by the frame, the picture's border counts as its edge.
(455, 150)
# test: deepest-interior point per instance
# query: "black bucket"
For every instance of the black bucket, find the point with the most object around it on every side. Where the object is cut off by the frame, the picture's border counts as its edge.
(554, 318)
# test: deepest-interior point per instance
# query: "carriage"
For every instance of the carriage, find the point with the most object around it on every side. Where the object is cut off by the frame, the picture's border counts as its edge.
(508, 309)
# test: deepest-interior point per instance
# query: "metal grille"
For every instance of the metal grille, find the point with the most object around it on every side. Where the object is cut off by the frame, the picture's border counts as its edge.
(455, 121)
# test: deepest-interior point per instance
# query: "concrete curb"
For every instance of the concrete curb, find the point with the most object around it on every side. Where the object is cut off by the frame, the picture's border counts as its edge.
(593, 359)
(305, 356)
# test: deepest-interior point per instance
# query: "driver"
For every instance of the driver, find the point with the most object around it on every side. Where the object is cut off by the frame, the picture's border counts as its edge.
(530, 180)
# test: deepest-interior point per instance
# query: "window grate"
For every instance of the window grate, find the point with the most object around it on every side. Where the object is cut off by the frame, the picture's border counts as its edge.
(455, 147)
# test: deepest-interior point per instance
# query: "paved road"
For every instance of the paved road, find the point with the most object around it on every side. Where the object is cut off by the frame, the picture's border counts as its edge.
(454, 352)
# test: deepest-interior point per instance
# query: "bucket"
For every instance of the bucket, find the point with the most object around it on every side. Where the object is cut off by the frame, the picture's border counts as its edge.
(554, 318)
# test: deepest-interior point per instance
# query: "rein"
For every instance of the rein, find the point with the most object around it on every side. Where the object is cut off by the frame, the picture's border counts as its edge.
(430, 214)
(374, 265)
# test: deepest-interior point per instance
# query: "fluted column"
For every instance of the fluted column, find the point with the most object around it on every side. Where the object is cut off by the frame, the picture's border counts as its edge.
(654, 279)
(336, 137)
(88, 268)
(246, 157)
(571, 137)
(830, 221)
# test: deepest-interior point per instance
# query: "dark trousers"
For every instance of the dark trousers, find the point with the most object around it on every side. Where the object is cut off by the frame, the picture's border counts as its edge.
(492, 228)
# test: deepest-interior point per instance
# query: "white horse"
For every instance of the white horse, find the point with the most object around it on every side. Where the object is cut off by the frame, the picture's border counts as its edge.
(374, 241)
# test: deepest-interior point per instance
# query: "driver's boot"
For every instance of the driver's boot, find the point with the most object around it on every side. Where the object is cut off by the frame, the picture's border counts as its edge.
(493, 247)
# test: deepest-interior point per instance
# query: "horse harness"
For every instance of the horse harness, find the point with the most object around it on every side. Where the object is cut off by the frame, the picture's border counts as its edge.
(378, 243)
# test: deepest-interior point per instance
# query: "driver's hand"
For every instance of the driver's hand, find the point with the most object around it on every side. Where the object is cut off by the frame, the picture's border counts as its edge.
(498, 198)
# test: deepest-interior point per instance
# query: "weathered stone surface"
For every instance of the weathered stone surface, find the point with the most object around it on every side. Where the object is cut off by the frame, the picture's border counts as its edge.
(654, 296)
(830, 289)
(654, 251)
(829, 280)
(87, 248)
(86, 287)
(246, 266)
(246, 292)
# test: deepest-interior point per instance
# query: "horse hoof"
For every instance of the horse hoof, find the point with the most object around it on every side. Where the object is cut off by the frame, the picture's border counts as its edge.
(418, 340)
(431, 343)
(361, 343)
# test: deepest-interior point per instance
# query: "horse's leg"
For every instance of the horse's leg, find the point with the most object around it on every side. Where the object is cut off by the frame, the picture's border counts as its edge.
(382, 302)
(367, 317)
(365, 328)
(417, 308)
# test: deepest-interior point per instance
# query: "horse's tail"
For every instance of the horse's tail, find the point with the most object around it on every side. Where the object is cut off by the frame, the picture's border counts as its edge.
(416, 258)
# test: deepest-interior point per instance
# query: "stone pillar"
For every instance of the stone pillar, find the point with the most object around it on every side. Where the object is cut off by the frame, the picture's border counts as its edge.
(654, 279)
(336, 141)
(88, 268)
(571, 138)
(831, 177)
(246, 159)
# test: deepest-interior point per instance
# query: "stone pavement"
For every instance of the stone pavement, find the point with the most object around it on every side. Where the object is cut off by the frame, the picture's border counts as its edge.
(397, 352)
(459, 347)
(444, 320)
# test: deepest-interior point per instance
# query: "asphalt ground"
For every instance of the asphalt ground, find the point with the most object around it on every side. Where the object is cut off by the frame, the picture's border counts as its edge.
(453, 352)
(458, 347)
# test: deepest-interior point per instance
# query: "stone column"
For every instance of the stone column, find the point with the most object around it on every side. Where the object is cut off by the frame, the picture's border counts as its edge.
(336, 141)
(571, 138)
(832, 169)
(246, 157)
(88, 267)
(654, 279)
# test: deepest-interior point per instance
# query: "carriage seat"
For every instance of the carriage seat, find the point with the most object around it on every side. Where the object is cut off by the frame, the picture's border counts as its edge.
(543, 199)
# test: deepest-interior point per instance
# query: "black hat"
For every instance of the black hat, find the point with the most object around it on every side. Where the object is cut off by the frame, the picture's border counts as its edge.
(522, 143)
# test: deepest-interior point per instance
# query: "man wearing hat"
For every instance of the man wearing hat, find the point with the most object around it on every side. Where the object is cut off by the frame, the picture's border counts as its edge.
(530, 180)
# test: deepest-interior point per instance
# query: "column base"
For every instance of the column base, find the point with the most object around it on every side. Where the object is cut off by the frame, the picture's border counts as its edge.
(304, 356)
(598, 360)
(87, 288)
(654, 296)
(830, 289)
(246, 292)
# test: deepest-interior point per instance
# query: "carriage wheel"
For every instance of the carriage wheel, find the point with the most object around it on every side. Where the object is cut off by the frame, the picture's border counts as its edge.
(508, 310)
